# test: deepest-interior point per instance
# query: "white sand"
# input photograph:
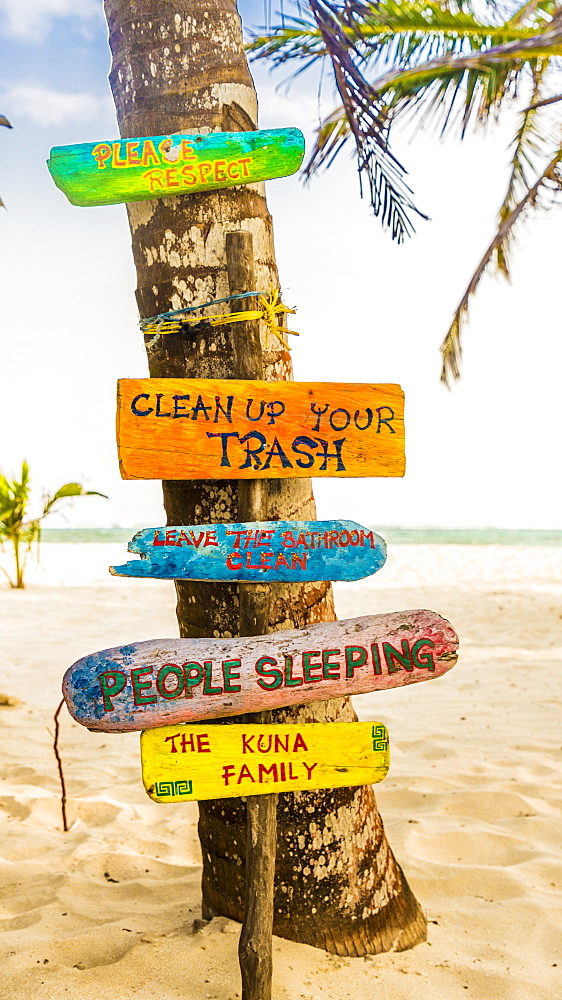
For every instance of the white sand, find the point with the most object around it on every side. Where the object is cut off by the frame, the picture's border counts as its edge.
(471, 803)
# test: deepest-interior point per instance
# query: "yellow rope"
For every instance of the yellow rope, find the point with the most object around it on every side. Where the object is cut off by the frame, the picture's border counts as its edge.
(270, 308)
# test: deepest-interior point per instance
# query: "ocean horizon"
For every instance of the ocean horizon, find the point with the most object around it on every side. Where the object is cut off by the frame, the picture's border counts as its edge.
(392, 535)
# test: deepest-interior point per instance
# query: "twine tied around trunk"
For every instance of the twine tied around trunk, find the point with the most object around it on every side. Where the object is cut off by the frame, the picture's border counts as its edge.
(270, 307)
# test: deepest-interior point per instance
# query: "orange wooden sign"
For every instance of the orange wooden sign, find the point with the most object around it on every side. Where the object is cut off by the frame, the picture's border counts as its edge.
(232, 429)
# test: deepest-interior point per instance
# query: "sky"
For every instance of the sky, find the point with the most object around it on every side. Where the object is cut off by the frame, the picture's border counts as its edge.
(485, 454)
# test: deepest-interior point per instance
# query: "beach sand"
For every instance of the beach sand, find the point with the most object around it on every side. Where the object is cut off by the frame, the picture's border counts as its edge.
(471, 804)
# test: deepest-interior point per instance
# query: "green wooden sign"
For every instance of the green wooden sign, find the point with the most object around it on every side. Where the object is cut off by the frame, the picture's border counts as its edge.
(109, 173)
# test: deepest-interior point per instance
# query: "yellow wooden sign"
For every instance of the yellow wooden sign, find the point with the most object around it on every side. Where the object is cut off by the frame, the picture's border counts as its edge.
(234, 429)
(184, 763)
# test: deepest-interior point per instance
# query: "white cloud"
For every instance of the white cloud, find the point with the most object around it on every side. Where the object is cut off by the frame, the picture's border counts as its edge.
(52, 107)
(31, 19)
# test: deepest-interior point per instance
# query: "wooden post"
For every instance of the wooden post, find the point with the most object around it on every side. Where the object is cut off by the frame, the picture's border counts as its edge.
(255, 948)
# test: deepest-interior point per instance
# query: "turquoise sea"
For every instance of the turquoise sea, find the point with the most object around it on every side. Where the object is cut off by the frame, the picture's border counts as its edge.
(394, 536)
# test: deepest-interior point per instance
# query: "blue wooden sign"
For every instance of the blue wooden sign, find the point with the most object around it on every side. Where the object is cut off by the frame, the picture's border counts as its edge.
(257, 552)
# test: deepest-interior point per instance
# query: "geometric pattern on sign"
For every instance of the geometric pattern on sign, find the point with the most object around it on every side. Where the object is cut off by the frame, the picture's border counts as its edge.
(164, 788)
(380, 737)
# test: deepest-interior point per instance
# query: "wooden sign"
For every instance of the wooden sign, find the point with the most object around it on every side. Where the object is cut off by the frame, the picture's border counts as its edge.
(184, 763)
(171, 428)
(108, 173)
(166, 681)
(257, 551)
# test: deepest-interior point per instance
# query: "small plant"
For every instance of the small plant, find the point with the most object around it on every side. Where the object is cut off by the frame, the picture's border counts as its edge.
(20, 533)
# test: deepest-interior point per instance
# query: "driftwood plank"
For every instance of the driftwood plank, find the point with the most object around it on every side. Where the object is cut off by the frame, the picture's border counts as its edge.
(166, 681)
(255, 946)
(183, 763)
(125, 170)
(237, 429)
(257, 552)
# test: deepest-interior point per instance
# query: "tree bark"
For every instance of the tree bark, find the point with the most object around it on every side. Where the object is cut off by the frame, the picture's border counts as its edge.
(180, 67)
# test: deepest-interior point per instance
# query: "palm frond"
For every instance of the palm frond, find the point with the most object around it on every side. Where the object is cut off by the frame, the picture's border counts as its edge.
(391, 31)
(550, 180)
(296, 39)
(68, 490)
(470, 87)
(545, 102)
(368, 123)
(529, 9)
(529, 143)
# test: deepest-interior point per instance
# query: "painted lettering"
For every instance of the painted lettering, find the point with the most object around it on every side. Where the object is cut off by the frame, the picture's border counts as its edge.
(234, 561)
(158, 411)
(228, 772)
(275, 451)
(154, 178)
(426, 660)
(219, 408)
(308, 460)
(228, 668)
(149, 154)
(263, 771)
(115, 160)
(369, 416)
(328, 667)
(245, 773)
(193, 676)
(135, 409)
(291, 681)
(275, 675)
(308, 667)
(273, 412)
(318, 412)
(101, 153)
(187, 152)
(343, 422)
(139, 686)
(299, 743)
(112, 683)
(188, 174)
(133, 158)
(391, 655)
(170, 670)
(220, 168)
(337, 454)
(385, 420)
(224, 435)
(200, 408)
(208, 685)
(205, 168)
(355, 656)
(173, 748)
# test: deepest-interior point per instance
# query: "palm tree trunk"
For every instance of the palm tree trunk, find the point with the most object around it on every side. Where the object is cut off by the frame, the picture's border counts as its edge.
(19, 584)
(180, 66)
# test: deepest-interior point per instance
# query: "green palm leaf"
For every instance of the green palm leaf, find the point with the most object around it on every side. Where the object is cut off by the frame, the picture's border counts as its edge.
(549, 182)
(449, 63)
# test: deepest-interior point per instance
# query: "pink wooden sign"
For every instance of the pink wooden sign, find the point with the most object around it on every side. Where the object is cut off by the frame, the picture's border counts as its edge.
(166, 681)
